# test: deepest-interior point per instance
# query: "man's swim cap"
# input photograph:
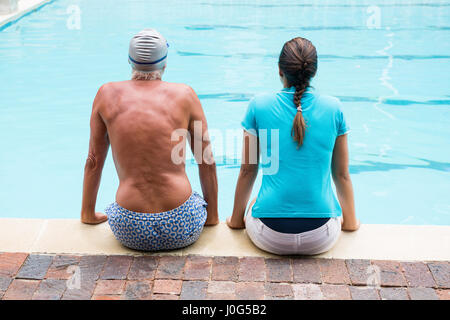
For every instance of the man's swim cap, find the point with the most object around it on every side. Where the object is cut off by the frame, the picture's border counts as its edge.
(148, 51)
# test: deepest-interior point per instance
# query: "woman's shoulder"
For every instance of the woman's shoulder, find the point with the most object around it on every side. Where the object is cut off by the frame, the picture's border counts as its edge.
(328, 101)
(262, 100)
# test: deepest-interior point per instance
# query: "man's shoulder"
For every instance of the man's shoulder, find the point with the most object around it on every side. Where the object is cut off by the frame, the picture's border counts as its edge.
(110, 87)
(180, 89)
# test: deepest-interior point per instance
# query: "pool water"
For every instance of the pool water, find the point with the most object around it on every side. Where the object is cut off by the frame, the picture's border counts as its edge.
(388, 62)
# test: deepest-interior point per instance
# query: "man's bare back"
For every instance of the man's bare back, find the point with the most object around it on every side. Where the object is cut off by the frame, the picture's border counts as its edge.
(138, 118)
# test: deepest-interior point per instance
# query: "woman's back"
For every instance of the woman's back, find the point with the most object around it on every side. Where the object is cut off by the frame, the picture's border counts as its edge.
(297, 180)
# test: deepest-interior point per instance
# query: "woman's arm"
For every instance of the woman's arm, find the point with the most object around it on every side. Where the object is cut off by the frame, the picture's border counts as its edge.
(98, 150)
(247, 177)
(343, 182)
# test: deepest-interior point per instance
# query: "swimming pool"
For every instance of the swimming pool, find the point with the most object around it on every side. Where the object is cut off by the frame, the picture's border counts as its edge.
(388, 62)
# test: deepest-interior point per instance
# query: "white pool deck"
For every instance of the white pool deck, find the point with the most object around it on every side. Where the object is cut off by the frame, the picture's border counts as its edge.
(376, 242)
(70, 236)
(23, 6)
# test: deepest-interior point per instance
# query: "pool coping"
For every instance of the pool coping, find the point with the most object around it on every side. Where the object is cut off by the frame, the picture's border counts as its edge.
(372, 241)
(24, 7)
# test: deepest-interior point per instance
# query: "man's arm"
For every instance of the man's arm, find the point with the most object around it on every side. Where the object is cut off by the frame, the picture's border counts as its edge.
(98, 150)
(201, 148)
(343, 182)
(246, 180)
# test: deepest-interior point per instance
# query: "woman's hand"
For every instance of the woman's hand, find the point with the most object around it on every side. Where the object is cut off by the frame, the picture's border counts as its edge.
(95, 218)
(350, 226)
(235, 224)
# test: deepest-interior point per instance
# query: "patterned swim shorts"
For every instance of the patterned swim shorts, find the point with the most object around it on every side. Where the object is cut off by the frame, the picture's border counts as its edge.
(168, 230)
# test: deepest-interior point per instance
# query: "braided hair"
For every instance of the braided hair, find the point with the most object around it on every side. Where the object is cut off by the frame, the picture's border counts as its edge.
(298, 63)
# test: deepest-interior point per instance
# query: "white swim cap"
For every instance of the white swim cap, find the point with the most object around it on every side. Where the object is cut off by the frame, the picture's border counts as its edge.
(148, 51)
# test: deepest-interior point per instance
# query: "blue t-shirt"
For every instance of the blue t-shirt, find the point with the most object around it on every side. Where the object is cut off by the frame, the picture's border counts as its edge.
(296, 181)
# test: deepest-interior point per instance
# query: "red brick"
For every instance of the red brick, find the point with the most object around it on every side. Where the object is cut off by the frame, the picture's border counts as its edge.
(394, 294)
(441, 273)
(249, 291)
(335, 292)
(143, 267)
(417, 274)
(111, 297)
(443, 294)
(359, 271)
(62, 267)
(138, 290)
(109, 287)
(334, 271)
(167, 286)
(83, 292)
(193, 290)
(50, 289)
(164, 297)
(116, 267)
(307, 291)
(306, 271)
(278, 270)
(273, 290)
(10, 263)
(197, 268)
(252, 269)
(390, 273)
(364, 293)
(220, 296)
(225, 268)
(422, 294)
(21, 289)
(222, 287)
(171, 267)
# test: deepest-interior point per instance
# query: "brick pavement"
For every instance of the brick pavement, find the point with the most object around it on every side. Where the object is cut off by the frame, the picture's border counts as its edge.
(117, 277)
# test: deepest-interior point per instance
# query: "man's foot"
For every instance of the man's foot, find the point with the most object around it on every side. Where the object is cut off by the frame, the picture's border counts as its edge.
(211, 222)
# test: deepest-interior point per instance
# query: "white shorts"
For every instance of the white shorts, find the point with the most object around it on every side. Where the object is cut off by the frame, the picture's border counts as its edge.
(311, 242)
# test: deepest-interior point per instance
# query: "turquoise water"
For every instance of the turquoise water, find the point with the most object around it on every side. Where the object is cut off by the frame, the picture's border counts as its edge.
(391, 73)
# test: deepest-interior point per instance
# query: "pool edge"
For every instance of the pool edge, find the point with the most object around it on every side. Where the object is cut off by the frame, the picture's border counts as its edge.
(24, 9)
(374, 242)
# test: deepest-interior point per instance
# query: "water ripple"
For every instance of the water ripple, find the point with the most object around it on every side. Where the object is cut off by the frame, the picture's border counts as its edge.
(201, 27)
(371, 166)
(334, 5)
(240, 96)
(321, 56)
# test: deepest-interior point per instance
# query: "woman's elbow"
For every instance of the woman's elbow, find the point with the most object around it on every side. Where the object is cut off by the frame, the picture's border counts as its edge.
(343, 175)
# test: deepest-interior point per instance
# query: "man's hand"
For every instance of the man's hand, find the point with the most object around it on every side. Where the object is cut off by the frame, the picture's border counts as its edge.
(235, 224)
(95, 218)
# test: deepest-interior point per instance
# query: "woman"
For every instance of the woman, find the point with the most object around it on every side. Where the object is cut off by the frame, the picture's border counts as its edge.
(296, 211)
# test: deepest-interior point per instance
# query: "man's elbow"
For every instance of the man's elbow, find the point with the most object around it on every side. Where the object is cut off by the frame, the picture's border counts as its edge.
(91, 163)
(249, 170)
